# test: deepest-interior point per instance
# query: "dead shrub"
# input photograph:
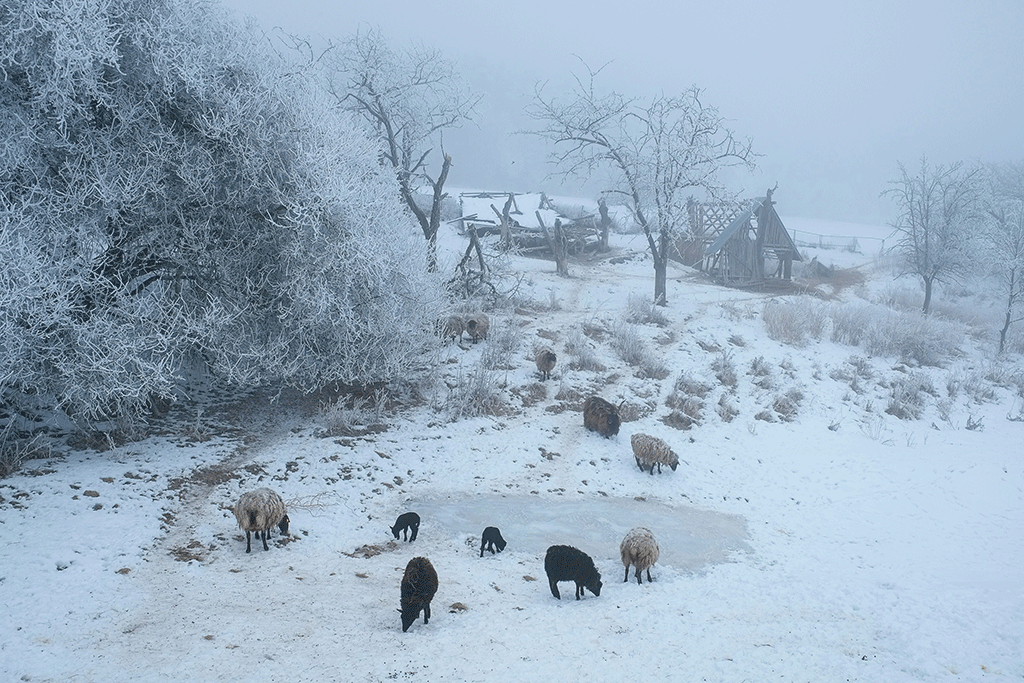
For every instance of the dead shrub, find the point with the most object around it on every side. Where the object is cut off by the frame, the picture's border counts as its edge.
(726, 408)
(686, 386)
(725, 369)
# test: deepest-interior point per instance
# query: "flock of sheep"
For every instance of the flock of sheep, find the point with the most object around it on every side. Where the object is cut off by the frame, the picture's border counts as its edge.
(260, 510)
(476, 326)
(561, 563)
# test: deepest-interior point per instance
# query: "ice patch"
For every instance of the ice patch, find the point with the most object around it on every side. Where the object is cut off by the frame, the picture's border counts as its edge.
(689, 538)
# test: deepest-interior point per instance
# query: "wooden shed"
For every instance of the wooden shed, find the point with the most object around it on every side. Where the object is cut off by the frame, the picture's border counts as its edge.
(733, 243)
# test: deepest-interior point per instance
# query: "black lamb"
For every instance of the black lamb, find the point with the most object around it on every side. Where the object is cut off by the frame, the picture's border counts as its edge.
(566, 563)
(491, 537)
(406, 522)
(418, 587)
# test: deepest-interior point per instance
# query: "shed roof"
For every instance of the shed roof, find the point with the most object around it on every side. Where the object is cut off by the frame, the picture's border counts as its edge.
(775, 235)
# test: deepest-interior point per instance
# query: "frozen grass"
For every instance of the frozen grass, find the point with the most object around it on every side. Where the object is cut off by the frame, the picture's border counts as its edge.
(503, 342)
(794, 322)
(725, 369)
(641, 311)
(907, 395)
(634, 351)
(475, 393)
(879, 330)
(581, 352)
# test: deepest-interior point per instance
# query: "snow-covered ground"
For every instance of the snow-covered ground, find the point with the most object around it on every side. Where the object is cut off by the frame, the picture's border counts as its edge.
(844, 544)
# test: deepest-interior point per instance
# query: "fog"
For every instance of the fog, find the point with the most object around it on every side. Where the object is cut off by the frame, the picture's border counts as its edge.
(832, 95)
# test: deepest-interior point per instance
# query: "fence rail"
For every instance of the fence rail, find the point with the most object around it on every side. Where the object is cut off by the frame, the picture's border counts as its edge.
(852, 243)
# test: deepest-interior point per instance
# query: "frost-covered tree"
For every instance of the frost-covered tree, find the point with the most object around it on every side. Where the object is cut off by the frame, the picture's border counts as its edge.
(937, 221)
(407, 98)
(1004, 204)
(172, 189)
(658, 152)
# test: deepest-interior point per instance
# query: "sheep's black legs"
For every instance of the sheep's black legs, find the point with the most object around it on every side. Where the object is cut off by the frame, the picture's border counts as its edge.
(265, 546)
(248, 541)
(627, 574)
(554, 589)
(649, 579)
(426, 614)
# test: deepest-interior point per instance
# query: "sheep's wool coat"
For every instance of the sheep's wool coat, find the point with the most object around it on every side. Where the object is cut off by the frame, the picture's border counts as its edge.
(267, 506)
(650, 450)
(639, 548)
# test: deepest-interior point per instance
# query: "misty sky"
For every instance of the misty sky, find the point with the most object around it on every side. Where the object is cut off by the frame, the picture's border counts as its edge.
(833, 94)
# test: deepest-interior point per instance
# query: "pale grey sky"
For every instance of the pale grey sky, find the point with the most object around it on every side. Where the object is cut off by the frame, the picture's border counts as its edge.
(833, 94)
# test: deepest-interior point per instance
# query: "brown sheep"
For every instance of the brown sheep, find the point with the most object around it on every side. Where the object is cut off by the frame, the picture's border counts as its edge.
(477, 326)
(545, 360)
(601, 416)
(451, 328)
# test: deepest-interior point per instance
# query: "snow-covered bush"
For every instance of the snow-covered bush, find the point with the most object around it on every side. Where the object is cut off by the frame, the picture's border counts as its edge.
(172, 189)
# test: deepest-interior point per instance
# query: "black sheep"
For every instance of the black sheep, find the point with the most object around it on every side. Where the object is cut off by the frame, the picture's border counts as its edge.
(566, 563)
(418, 587)
(491, 537)
(406, 522)
(601, 416)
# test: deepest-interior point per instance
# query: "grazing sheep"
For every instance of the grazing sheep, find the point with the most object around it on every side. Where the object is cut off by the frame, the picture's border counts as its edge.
(407, 521)
(601, 416)
(639, 549)
(258, 511)
(545, 360)
(451, 328)
(650, 451)
(477, 326)
(491, 537)
(418, 587)
(566, 563)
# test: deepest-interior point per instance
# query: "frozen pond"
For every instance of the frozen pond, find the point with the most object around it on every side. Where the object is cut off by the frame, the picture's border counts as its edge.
(689, 538)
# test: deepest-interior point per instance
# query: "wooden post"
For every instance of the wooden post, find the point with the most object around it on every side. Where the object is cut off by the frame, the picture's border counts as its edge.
(505, 223)
(556, 245)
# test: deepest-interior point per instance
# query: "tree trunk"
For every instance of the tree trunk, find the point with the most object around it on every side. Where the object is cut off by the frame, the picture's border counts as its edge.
(429, 224)
(661, 269)
(1002, 332)
(927, 294)
(660, 281)
(606, 223)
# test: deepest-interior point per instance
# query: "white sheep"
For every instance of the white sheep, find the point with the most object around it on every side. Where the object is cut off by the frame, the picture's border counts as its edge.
(650, 451)
(640, 549)
(258, 511)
